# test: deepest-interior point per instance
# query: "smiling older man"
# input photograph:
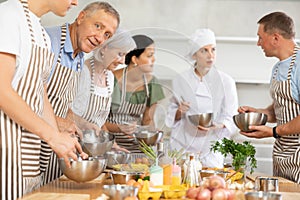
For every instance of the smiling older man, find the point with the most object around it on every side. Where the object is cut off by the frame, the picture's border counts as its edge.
(96, 23)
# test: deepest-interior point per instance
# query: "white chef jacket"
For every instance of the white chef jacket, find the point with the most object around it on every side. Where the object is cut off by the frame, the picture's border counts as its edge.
(216, 93)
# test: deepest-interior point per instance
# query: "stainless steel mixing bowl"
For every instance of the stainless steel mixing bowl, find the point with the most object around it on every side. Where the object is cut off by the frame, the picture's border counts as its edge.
(150, 137)
(116, 157)
(83, 170)
(262, 196)
(244, 120)
(119, 192)
(203, 119)
(95, 145)
(122, 177)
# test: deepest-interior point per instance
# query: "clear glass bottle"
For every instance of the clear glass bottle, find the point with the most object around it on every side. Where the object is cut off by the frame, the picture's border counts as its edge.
(192, 176)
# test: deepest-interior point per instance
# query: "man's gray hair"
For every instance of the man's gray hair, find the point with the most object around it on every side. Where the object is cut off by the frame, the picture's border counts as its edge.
(100, 5)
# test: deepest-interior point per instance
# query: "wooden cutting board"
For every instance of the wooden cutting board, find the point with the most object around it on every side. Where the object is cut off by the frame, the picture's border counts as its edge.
(55, 196)
(280, 179)
(290, 195)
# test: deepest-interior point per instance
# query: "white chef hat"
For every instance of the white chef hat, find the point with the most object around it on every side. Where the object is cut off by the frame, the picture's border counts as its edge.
(199, 39)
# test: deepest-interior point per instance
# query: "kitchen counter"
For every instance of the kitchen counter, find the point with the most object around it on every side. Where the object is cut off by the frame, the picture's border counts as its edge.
(68, 190)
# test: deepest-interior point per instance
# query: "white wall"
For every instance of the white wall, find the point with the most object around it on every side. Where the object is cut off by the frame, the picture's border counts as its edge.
(169, 22)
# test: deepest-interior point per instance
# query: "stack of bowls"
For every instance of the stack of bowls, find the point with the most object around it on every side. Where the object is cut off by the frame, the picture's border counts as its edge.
(83, 170)
(97, 145)
(203, 119)
(244, 120)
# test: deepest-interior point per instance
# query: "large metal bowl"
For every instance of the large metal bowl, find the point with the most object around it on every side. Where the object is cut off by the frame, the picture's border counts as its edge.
(95, 145)
(207, 173)
(262, 196)
(149, 137)
(244, 120)
(122, 177)
(83, 170)
(203, 119)
(119, 192)
(116, 157)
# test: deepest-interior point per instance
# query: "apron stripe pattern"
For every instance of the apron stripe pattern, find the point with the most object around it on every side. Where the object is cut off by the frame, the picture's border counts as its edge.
(61, 91)
(98, 106)
(128, 112)
(20, 150)
(286, 152)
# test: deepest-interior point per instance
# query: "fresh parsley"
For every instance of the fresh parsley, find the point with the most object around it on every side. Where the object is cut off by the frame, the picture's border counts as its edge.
(241, 152)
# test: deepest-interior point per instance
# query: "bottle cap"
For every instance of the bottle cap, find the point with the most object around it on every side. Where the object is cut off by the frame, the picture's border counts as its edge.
(156, 169)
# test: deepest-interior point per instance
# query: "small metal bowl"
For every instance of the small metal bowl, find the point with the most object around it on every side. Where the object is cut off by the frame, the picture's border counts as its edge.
(208, 173)
(119, 192)
(244, 120)
(149, 137)
(95, 145)
(262, 196)
(116, 157)
(83, 170)
(203, 119)
(122, 177)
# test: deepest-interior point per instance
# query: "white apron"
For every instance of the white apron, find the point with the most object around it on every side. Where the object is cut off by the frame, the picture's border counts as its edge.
(128, 112)
(61, 90)
(98, 106)
(20, 150)
(286, 151)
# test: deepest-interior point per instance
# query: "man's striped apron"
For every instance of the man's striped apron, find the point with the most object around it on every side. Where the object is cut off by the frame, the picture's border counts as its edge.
(61, 90)
(286, 152)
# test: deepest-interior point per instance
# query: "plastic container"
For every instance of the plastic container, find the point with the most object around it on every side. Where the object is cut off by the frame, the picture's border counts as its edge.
(156, 175)
(176, 173)
(166, 163)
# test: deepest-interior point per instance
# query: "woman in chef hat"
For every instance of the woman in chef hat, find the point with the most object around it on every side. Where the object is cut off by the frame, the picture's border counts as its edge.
(202, 89)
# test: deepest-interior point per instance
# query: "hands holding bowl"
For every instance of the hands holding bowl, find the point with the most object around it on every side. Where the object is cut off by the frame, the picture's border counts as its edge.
(251, 122)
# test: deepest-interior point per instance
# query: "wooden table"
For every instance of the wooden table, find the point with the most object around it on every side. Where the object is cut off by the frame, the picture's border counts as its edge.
(69, 190)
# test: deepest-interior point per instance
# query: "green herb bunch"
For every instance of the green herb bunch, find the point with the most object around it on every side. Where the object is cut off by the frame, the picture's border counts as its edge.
(241, 152)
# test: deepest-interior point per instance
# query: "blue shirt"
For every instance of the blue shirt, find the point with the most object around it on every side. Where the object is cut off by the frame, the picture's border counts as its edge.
(67, 59)
(283, 67)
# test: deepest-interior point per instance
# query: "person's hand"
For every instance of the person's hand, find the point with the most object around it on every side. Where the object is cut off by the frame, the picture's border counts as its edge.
(128, 128)
(259, 132)
(66, 146)
(118, 148)
(213, 127)
(91, 126)
(183, 107)
(68, 125)
(244, 109)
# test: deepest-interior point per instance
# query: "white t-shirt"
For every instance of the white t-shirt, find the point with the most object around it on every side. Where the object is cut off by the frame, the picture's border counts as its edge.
(82, 98)
(15, 35)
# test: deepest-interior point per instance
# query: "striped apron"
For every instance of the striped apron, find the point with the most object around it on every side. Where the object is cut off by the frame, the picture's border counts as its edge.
(98, 106)
(128, 112)
(20, 150)
(61, 90)
(286, 151)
